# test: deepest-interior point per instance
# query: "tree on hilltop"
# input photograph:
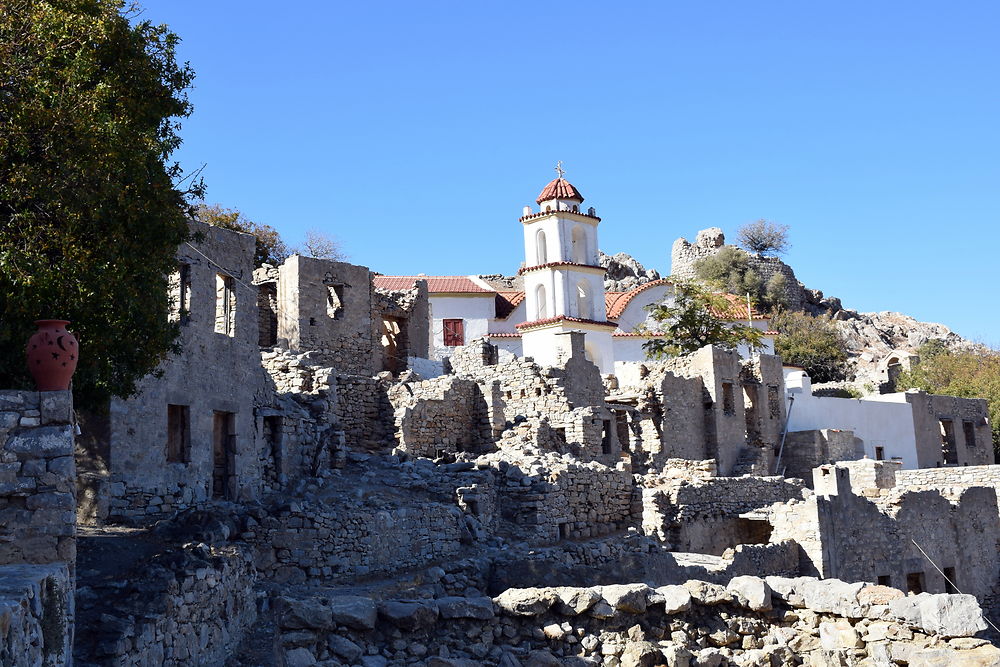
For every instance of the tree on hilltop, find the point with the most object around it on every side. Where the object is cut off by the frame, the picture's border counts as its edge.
(764, 237)
(91, 209)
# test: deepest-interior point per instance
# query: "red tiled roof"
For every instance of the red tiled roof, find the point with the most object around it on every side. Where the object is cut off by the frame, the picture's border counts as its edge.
(557, 265)
(559, 188)
(616, 302)
(562, 318)
(507, 303)
(435, 284)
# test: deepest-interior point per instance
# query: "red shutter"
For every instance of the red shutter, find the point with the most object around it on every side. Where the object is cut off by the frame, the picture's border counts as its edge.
(454, 333)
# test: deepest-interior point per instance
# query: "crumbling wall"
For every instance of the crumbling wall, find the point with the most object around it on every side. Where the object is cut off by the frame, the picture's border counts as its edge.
(684, 256)
(36, 605)
(37, 478)
(751, 621)
(364, 412)
(930, 409)
(320, 541)
(549, 498)
(882, 533)
(941, 479)
(409, 310)
(189, 606)
(703, 515)
(216, 377)
(444, 414)
(326, 307)
(805, 450)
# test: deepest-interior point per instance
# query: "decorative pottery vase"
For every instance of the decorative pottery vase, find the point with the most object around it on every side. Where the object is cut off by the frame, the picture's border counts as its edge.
(52, 355)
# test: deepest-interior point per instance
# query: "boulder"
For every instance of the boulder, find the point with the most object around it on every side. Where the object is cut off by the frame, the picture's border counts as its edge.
(675, 599)
(751, 592)
(342, 647)
(353, 611)
(947, 615)
(575, 601)
(629, 598)
(542, 659)
(838, 636)
(526, 601)
(303, 613)
(706, 593)
(408, 615)
(455, 607)
(299, 657)
(641, 654)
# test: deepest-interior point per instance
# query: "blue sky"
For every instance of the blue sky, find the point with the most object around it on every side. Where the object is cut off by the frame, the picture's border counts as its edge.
(414, 132)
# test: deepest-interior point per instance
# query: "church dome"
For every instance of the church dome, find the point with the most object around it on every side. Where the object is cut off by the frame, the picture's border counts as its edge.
(559, 188)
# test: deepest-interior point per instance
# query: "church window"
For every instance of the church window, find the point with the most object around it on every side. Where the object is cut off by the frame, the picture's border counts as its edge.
(541, 310)
(454, 333)
(584, 305)
(579, 239)
(541, 251)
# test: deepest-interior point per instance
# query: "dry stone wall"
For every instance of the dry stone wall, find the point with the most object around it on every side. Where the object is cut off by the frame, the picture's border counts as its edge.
(37, 478)
(444, 414)
(35, 628)
(750, 622)
(189, 606)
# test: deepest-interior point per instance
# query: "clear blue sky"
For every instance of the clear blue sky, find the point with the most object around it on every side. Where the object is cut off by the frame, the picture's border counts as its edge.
(414, 132)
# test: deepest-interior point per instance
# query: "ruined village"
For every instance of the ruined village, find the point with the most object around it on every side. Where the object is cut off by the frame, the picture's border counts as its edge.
(344, 467)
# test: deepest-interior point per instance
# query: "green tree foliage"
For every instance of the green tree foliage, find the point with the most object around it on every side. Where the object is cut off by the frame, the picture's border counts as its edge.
(694, 318)
(814, 343)
(958, 373)
(763, 237)
(729, 270)
(271, 249)
(91, 212)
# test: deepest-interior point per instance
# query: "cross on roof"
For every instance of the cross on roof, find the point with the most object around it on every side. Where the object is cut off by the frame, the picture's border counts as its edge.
(559, 169)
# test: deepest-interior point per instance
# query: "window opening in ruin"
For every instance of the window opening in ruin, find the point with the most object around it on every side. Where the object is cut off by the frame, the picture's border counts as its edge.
(750, 413)
(949, 580)
(522, 393)
(753, 531)
(948, 451)
(560, 435)
(312, 321)
(773, 401)
(969, 431)
(225, 305)
(538, 391)
(541, 251)
(178, 434)
(728, 399)
(880, 453)
(223, 454)
(541, 307)
(510, 394)
(584, 304)
(335, 301)
(621, 423)
(454, 332)
(394, 344)
(884, 580)
(273, 436)
(915, 582)
(579, 241)
(564, 531)
(267, 306)
(606, 436)
(473, 507)
(180, 292)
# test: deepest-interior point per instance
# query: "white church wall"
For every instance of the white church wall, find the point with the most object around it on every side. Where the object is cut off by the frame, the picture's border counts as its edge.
(876, 423)
(474, 311)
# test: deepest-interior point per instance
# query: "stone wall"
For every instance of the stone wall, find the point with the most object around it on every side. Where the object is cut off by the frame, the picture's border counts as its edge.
(550, 498)
(928, 412)
(805, 450)
(37, 478)
(684, 256)
(940, 479)
(749, 622)
(363, 411)
(444, 414)
(188, 606)
(704, 515)
(36, 603)
(882, 534)
(318, 541)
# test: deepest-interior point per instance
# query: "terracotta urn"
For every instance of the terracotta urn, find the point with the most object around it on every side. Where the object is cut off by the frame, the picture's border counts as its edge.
(52, 355)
